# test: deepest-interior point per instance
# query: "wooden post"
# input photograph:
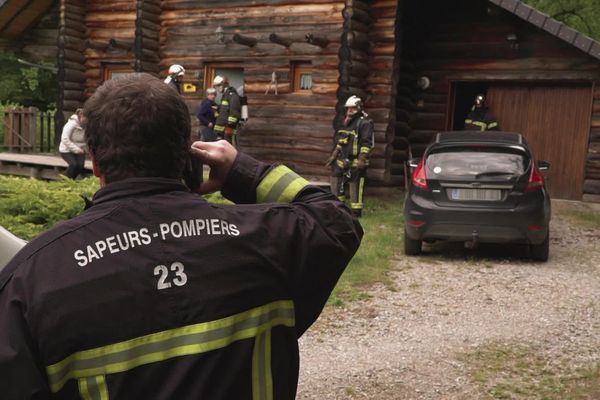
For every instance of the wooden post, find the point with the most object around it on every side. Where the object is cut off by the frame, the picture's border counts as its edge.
(316, 40)
(280, 40)
(245, 40)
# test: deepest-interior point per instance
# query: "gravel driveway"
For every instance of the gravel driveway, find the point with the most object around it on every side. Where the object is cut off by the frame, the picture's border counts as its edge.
(405, 341)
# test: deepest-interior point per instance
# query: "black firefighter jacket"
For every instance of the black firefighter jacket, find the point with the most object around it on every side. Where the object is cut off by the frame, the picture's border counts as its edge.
(152, 293)
(230, 111)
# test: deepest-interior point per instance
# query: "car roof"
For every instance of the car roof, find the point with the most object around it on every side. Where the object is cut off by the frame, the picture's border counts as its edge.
(491, 137)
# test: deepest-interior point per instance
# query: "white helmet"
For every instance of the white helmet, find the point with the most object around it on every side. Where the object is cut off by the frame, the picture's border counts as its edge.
(176, 70)
(211, 91)
(354, 101)
(218, 81)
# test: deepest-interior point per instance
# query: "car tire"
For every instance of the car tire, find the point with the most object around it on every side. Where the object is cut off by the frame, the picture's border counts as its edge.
(412, 247)
(540, 252)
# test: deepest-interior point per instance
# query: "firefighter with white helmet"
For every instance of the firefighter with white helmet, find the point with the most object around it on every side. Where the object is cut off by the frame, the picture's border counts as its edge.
(350, 158)
(175, 77)
(230, 110)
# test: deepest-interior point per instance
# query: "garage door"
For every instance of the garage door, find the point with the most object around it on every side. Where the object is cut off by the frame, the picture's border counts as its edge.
(556, 122)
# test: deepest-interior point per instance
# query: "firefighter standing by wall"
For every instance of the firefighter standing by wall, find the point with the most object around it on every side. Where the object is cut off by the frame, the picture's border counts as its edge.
(230, 111)
(152, 293)
(481, 118)
(350, 158)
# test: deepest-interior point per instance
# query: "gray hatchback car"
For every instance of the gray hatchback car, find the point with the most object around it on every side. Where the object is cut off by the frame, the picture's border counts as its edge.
(478, 187)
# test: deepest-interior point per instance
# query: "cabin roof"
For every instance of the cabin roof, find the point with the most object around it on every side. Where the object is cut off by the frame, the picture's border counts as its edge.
(551, 25)
(18, 16)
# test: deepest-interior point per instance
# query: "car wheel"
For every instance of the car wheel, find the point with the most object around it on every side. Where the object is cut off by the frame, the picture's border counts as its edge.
(412, 247)
(540, 252)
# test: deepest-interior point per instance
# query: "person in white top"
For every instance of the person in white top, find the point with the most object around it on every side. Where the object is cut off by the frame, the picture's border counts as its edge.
(72, 144)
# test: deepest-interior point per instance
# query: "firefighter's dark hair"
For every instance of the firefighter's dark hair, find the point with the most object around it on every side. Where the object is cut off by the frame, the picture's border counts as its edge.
(137, 126)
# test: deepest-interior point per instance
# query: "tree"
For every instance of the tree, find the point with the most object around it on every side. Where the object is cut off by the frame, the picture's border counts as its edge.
(583, 15)
(29, 86)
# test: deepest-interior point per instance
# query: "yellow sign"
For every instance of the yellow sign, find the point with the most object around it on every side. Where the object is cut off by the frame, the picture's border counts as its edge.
(189, 88)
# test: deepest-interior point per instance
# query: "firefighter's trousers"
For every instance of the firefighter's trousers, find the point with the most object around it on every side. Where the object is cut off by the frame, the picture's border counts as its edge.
(349, 187)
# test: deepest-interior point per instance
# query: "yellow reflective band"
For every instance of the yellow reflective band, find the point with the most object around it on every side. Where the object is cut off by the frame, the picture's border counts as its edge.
(352, 133)
(468, 121)
(225, 103)
(492, 125)
(342, 198)
(340, 163)
(343, 141)
(232, 119)
(482, 125)
(161, 346)
(281, 185)
(356, 206)
(365, 150)
(262, 377)
(219, 128)
(93, 388)
(361, 191)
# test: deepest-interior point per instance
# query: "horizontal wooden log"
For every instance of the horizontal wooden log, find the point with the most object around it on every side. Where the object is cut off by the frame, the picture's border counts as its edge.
(121, 44)
(591, 186)
(71, 55)
(280, 40)
(316, 40)
(94, 44)
(356, 40)
(357, 14)
(245, 40)
(71, 105)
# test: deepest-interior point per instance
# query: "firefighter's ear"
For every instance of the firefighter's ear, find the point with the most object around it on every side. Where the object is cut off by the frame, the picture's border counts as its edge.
(95, 169)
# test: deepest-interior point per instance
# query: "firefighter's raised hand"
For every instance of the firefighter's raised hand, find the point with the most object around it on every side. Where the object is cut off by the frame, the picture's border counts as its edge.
(219, 156)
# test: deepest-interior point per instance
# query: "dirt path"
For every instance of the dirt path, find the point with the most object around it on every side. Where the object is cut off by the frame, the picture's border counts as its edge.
(405, 341)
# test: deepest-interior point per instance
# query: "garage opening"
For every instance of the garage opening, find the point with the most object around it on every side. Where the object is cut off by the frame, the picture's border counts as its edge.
(555, 119)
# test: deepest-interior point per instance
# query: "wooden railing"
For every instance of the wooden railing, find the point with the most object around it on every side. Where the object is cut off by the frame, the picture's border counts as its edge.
(27, 130)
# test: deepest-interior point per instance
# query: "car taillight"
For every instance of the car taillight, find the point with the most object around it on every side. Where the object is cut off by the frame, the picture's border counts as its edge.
(419, 178)
(536, 180)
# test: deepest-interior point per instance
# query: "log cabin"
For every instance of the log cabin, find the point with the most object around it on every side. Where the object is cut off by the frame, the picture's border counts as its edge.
(417, 64)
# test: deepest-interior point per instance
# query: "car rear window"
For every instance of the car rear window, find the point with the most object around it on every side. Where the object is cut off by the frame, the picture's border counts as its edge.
(472, 161)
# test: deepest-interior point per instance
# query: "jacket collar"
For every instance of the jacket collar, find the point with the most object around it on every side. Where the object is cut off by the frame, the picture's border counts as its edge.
(137, 187)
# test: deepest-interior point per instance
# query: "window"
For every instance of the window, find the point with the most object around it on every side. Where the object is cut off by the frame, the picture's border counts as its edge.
(302, 77)
(233, 72)
(491, 163)
(111, 71)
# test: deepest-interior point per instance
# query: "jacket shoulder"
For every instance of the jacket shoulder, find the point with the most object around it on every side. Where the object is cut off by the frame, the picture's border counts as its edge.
(50, 237)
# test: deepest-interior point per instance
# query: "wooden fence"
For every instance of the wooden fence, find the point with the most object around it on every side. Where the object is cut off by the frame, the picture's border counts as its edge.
(27, 130)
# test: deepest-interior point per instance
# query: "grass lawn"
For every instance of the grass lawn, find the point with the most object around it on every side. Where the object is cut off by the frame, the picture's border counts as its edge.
(28, 207)
(382, 223)
(511, 371)
(588, 219)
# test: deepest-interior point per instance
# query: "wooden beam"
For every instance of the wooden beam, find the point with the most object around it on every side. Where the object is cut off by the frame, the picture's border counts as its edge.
(244, 40)
(316, 40)
(280, 40)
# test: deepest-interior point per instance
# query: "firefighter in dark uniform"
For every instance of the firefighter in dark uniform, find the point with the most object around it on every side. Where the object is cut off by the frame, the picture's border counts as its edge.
(480, 118)
(350, 158)
(175, 77)
(152, 293)
(230, 111)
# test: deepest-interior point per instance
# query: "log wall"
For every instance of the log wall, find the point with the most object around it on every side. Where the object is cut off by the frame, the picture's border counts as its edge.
(147, 36)
(71, 60)
(467, 40)
(111, 28)
(294, 128)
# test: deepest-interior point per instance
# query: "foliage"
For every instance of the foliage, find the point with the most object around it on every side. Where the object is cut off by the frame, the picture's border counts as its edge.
(514, 371)
(26, 85)
(382, 223)
(28, 207)
(583, 15)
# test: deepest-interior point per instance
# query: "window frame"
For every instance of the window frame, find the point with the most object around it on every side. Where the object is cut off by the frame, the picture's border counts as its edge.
(210, 71)
(108, 69)
(300, 68)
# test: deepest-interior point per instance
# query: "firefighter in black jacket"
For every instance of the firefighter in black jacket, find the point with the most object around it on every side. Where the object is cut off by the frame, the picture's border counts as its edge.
(480, 118)
(350, 158)
(230, 111)
(152, 293)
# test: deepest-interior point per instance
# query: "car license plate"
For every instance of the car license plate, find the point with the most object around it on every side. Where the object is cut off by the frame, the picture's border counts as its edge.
(474, 194)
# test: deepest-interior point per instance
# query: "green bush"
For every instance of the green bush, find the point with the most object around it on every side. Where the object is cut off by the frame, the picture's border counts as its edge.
(28, 207)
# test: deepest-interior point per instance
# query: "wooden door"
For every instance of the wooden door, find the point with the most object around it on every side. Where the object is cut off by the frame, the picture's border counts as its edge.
(555, 119)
